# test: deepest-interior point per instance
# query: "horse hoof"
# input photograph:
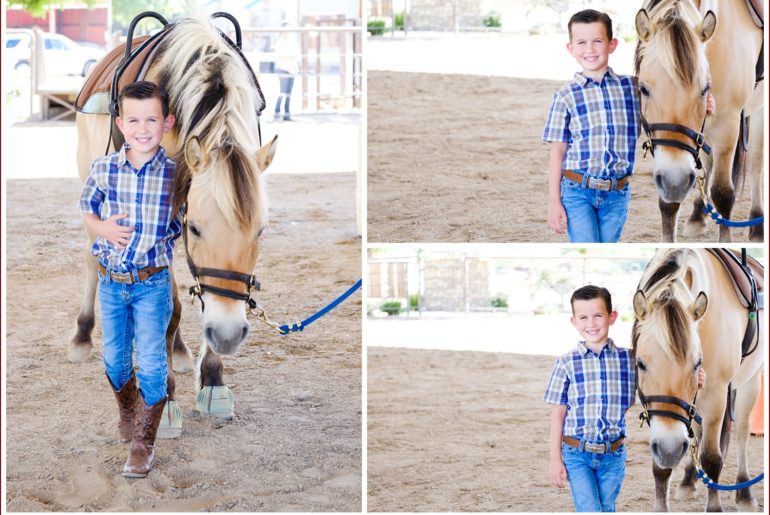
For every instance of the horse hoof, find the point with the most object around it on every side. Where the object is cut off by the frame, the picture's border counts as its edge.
(217, 401)
(183, 361)
(746, 506)
(170, 421)
(685, 493)
(694, 229)
(79, 352)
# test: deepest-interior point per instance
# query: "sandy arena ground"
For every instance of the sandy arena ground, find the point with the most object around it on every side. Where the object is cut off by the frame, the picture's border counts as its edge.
(458, 158)
(295, 442)
(468, 431)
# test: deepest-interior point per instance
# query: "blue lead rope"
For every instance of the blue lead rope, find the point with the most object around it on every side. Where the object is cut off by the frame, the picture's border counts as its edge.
(716, 486)
(712, 212)
(300, 326)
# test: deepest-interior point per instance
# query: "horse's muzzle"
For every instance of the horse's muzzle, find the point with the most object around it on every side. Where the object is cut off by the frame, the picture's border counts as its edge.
(673, 186)
(224, 340)
(668, 453)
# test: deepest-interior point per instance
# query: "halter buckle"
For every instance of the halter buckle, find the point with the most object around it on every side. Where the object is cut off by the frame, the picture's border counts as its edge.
(195, 291)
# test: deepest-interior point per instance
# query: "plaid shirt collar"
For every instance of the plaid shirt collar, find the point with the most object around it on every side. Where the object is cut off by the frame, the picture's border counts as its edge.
(158, 160)
(584, 81)
(609, 347)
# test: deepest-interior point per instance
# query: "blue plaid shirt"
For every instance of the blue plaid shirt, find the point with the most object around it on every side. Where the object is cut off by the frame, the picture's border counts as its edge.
(114, 186)
(599, 121)
(597, 389)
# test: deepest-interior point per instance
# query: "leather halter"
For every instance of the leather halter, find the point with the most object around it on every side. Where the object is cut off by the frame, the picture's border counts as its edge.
(647, 414)
(248, 280)
(699, 141)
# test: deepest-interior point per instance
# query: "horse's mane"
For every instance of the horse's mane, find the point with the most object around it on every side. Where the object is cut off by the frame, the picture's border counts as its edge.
(673, 41)
(665, 284)
(214, 98)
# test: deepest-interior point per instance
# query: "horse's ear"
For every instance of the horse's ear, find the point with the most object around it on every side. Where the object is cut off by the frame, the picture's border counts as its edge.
(698, 308)
(643, 28)
(707, 26)
(641, 306)
(193, 153)
(265, 154)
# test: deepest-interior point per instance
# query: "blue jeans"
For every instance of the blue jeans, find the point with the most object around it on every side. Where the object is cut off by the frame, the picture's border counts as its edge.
(594, 216)
(286, 81)
(594, 479)
(136, 316)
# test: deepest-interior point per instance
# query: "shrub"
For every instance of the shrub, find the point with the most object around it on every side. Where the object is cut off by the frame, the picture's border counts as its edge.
(376, 27)
(499, 302)
(492, 20)
(392, 307)
(400, 20)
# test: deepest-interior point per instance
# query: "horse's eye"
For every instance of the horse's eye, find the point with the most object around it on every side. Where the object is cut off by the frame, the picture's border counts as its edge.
(195, 231)
(640, 364)
(643, 89)
(705, 90)
(698, 364)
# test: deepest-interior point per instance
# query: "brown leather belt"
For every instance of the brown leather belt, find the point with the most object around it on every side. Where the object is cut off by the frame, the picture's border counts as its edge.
(596, 183)
(127, 277)
(596, 448)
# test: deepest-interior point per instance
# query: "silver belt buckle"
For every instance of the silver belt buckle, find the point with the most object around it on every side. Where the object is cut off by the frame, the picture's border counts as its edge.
(596, 448)
(599, 184)
(122, 277)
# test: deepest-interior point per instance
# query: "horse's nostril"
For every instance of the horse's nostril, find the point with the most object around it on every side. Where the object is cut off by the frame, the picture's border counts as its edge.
(684, 448)
(209, 334)
(692, 178)
(659, 181)
(655, 449)
(245, 332)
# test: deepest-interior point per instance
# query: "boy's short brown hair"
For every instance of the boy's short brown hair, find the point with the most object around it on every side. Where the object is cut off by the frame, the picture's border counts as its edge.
(143, 89)
(591, 16)
(590, 292)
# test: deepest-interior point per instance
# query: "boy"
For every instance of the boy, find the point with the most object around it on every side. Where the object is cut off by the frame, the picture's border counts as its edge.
(591, 389)
(593, 125)
(126, 208)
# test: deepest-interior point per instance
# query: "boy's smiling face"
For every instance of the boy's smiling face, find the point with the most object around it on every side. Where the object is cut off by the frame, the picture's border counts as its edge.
(591, 47)
(592, 321)
(143, 125)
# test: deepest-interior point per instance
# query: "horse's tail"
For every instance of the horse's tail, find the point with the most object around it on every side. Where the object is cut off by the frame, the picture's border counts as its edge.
(739, 158)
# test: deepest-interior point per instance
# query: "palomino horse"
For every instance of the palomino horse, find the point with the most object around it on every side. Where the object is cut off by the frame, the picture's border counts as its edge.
(215, 144)
(688, 314)
(683, 54)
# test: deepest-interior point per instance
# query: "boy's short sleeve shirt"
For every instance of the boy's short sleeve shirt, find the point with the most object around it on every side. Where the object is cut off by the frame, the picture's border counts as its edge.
(599, 121)
(114, 186)
(597, 389)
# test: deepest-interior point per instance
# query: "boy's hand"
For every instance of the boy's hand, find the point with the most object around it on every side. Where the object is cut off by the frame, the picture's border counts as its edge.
(557, 217)
(116, 234)
(557, 473)
(701, 377)
(710, 104)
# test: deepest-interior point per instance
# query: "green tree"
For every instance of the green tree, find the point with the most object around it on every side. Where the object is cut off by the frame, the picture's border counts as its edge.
(124, 11)
(38, 8)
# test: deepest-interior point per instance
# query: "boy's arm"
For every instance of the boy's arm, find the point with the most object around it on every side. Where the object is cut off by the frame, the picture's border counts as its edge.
(557, 217)
(108, 229)
(556, 471)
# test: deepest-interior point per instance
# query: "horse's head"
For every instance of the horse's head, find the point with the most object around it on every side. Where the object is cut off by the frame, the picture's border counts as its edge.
(673, 74)
(668, 354)
(226, 214)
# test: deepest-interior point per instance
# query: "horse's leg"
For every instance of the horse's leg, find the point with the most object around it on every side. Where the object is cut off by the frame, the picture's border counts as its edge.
(662, 479)
(711, 454)
(214, 398)
(745, 399)
(686, 490)
(696, 224)
(171, 420)
(756, 158)
(668, 213)
(722, 190)
(182, 356)
(81, 344)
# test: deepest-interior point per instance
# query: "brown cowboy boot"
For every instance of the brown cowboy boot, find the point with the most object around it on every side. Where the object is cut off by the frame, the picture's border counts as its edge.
(126, 397)
(142, 450)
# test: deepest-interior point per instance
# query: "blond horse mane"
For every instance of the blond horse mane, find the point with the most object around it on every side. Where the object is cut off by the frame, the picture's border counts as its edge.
(215, 100)
(667, 284)
(673, 41)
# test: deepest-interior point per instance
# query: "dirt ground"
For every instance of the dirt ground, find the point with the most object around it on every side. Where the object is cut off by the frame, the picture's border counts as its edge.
(458, 158)
(468, 431)
(295, 442)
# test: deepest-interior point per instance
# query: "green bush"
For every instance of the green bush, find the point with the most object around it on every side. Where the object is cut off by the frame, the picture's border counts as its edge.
(414, 302)
(392, 307)
(499, 302)
(492, 20)
(400, 20)
(376, 27)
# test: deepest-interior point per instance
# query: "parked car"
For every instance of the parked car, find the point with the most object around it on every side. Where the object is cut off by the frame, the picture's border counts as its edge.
(61, 55)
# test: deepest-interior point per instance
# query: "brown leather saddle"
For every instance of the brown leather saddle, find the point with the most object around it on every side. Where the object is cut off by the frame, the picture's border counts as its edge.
(748, 282)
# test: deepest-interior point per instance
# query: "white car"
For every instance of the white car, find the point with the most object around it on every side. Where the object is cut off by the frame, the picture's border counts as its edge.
(61, 55)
